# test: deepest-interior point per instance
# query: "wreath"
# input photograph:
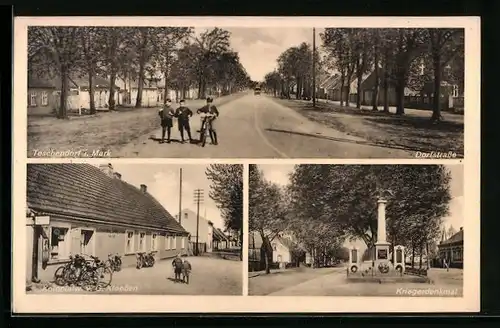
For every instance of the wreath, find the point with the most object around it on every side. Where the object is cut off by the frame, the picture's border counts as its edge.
(383, 267)
(354, 269)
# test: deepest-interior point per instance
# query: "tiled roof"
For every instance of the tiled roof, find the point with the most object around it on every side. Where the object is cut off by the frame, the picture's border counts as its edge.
(84, 191)
(456, 238)
(83, 82)
(285, 242)
(34, 82)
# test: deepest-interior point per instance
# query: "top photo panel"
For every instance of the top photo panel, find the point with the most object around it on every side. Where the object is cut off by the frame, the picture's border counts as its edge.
(245, 92)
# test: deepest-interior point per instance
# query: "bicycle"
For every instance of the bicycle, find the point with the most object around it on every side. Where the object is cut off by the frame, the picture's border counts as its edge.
(114, 262)
(205, 131)
(101, 270)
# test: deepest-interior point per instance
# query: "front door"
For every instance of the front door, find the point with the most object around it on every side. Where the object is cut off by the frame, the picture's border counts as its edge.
(86, 242)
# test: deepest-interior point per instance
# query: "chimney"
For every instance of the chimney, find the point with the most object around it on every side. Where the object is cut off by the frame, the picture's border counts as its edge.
(144, 188)
(117, 175)
(107, 169)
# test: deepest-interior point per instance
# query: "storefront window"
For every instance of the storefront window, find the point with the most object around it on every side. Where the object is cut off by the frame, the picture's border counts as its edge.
(59, 243)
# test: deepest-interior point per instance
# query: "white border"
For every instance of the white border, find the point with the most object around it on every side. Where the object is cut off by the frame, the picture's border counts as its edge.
(148, 304)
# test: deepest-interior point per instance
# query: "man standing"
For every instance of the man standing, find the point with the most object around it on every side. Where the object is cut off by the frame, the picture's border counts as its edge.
(209, 108)
(186, 271)
(177, 265)
(166, 114)
(183, 114)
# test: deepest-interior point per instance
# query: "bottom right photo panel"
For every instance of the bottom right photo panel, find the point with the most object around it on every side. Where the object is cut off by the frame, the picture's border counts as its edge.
(356, 230)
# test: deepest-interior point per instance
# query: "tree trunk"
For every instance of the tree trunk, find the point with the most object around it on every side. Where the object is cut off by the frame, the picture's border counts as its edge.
(342, 82)
(386, 81)
(241, 241)
(436, 106)
(400, 96)
(427, 254)
(140, 85)
(413, 257)
(91, 91)
(420, 259)
(63, 113)
(376, 82)
(165, 91)
(359, 77)
(112, 82)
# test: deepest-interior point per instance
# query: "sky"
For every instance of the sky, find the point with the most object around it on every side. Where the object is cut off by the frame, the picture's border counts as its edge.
(162, 182)
(280, 174)
(260, 47)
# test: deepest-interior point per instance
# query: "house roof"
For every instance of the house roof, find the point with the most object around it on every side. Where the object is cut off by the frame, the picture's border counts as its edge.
(83, 82)
(456, 238)
(219, 235)
(34, 82)
(285, 242)
(84, 191)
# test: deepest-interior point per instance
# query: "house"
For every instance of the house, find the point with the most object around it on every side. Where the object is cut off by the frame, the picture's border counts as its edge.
(282, 251)
(220, 240)
(452, 249)
(101, 87)
(325, 85)
(89, 210)
(42, 96)
(151, 95)
(195, 228)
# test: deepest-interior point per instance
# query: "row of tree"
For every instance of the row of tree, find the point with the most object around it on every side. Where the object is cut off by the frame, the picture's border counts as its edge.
(173, 54)
(418, 58)
(226, 190)
(325, 205)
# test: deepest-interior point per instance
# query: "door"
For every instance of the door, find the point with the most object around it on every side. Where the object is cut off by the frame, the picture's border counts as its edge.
(280, 259)
(86, 242)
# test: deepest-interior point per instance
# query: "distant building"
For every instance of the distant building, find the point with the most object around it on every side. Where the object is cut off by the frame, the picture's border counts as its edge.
(204, 230)
(452, 249)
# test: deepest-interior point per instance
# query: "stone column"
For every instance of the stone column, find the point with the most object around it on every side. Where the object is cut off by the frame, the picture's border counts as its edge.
(381, 227)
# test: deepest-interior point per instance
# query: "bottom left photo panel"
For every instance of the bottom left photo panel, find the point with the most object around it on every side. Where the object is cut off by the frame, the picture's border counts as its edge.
(160, 229)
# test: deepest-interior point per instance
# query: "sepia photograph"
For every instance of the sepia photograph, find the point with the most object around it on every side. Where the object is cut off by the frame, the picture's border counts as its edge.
(134, 229)
(356, 230)
(245, 92)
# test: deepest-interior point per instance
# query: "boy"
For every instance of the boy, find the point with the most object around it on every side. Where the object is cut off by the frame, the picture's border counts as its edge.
(183, 114)
(186, 270)
(209, 108)
(177, 265)
(166, 115)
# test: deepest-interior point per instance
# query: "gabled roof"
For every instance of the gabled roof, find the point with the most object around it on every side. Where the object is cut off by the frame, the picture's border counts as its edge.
(219, 235)
(84, 191)
(456, 238)
(47, 82)
(285, 242)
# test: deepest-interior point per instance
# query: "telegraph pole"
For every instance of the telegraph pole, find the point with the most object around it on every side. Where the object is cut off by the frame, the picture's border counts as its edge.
(198, 198)
(314, 68)
(180, 196)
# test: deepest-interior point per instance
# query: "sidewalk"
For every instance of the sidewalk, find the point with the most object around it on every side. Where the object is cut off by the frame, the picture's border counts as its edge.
(413, 132)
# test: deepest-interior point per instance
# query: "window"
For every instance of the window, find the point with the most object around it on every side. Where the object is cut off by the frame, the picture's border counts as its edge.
(183, 242)
(129, 243)
(142, 242)
(174, 242)
(274, 247)
(167, 243)
(185, 216)
(45, 98)
(154, 246)
(59, 243)
(33, 99)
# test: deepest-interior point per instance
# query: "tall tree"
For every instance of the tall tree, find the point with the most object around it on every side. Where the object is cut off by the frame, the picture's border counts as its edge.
(267, 210)
(226, 190)
(55, 50)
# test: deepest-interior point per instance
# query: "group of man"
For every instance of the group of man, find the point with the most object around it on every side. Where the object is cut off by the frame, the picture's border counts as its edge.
(183, 114)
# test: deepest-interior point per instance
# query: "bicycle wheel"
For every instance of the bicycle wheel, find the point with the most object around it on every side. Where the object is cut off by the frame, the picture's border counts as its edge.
(90, 281)
(105, 276)
(203, 137)
(118, 265)
(60, 276)
(139, 263)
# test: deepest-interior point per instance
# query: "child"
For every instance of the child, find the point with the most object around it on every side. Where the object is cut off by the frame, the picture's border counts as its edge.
(186, 270)
(177, 265)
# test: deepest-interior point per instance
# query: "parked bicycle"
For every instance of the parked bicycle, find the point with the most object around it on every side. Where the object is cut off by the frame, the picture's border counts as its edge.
(114, 262)
(88, 274)
(205, 128)
(145, 259)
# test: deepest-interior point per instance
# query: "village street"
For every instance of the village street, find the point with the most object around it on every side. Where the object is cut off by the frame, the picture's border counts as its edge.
(210, 276)
(332, 282)
(259, 127)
